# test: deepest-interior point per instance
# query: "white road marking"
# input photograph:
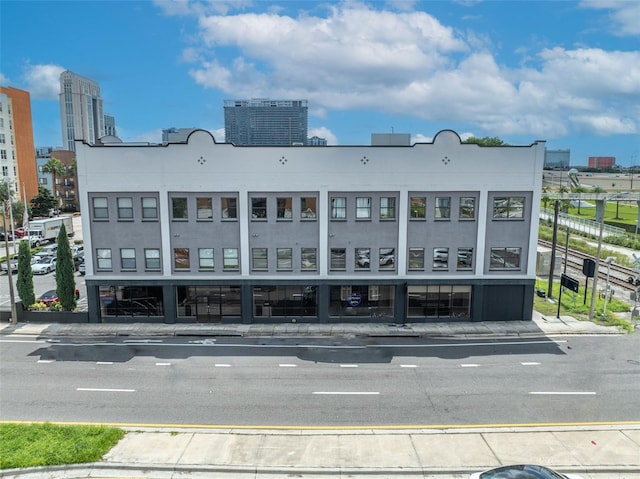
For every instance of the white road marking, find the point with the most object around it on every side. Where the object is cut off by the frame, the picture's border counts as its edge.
(530, 363)
(565, 393)
(106, 390)
(143, 341)
(46, 361)
(348, 365)
(218, 365)
(469, 365)
(104, 362)
(408, 365)
(287, 365)
(346, 393)
(163, 364)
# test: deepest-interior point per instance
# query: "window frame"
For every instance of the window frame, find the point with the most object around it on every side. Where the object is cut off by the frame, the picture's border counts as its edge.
(150, 258)
(125, 212)
(338, 211)
(440, 212)
(494, 266)
(363, 211)
(390, 208)
(463, 266)
(306, 211)
(95, 209)
(421, 256)
(206, 263)
(284, 256)
(509, 210)
(229, 207)
(207, 211)
(258, 213)
(175, 207)
(414, 213)
(363, 253)
(284, 208)
(128, 263)
(229, 256)
(260, 259)
(440, 265)
(184, 254)
(146, 209)
(383, 254)
(313, 252)
(104, 259)
(333, 255)
(461, 206)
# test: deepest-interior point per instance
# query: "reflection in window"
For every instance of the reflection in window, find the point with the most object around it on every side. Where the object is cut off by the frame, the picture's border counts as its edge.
(179, 208)
(204, 208)
(505, 258)
(258, 208)
(387, 208)
(100, 209)
(103, 256)
(467, 208)
(338, 208)
(363, 258)
(128, 258)
(465, 258)
(131, 300)
(338, 258)
(284, 210)
(181, 258)
(125, 208)
(230, 259)
(443, 208)
(149, 208)
(307, 207)
(309, 258)
(284, 259)
(363, 208)
(416, 259)
(205, 258)
(418, 206)
(229, 208)
(439, 301)
(508, 207)
(259, 259)
(152, 259)
(387, 259)
(440, 258)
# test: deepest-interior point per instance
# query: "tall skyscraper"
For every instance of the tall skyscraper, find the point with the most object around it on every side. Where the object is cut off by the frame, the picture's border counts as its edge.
(81, 111)
(17, 153)
(262, 122)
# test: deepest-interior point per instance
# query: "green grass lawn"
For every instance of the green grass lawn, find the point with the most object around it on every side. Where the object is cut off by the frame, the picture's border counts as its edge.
(627, 213)
(31, 445)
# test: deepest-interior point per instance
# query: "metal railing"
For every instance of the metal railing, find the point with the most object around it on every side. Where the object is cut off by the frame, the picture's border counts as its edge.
(581, 224)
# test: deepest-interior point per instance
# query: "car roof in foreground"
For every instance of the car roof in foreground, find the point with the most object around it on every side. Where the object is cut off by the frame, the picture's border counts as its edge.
(522, 471)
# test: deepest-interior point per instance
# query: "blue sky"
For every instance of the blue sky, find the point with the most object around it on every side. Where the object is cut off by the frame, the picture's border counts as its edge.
(561, 71)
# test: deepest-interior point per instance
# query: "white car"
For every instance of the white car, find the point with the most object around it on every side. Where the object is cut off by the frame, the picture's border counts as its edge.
(44, 265)
(522, 471)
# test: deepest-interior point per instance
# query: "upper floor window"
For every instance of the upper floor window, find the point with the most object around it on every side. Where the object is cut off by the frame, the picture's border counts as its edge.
(443, 208)
(387, 258)
(418, 206)
(128, 258)
(465, 258)
(363, 258)
(307, 207)
(125, 208)
(440, 258)
(2, 138)
(387, 208)
(284, 258)
(259, 259)
(230, 259)
(284, 210)
(416, 259)
(505, 258)
(103, 259)
(181, 258)
(338, 258)
(508, 207)
(100, 208)
(204, 208)
(338, 208)
(149, 208)
(179, 208)
(229, 208)
(152, 259)
(467, 208)
(205, 258)
(3, 154)
(363, 208)
(259, 208)
(309, 258)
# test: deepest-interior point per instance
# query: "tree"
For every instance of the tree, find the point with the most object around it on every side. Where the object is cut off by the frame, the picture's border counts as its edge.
(41, 204)
(24, 284)
(579, 189)
(65, 269)
(56, 168)
(486, 141)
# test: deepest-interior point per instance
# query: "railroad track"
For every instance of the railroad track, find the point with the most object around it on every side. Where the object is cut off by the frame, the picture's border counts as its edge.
(619, 276)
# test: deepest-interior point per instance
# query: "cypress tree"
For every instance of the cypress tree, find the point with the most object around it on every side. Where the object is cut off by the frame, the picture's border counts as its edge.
(24, 284)
(65, 269)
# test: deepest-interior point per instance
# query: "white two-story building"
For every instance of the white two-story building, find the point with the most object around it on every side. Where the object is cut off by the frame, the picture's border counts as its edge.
(199, 231)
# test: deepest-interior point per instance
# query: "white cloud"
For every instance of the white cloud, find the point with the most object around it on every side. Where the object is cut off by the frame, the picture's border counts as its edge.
(420, 138)
(624, 15)
(4, 80)
(407, 62)
(323, 132)
(43, 81)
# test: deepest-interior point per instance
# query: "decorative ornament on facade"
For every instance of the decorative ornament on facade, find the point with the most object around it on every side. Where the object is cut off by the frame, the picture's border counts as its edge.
(364, 160)
(202, 160)
(446, 160)
(283, 160)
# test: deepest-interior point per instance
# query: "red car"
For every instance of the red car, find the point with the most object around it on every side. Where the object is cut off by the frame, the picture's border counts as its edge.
(51, 296)
(20, 232)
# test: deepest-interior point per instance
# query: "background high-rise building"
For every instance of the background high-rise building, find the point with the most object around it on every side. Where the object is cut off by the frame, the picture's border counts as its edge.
(17, 153)
(557, 159)
(262, 122)
(81, 111)
(602, 162)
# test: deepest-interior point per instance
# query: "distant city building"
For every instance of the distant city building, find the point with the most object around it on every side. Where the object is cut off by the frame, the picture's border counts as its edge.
(316, 141)
(390, 139)
(16, 143)
(262, 122)
(557, 159)
(64, 187)
(81, 111)
(176, 135)
(602, 162)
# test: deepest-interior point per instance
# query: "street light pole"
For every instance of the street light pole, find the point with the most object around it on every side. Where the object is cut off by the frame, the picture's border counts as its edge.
(12, 296)
(609, 260)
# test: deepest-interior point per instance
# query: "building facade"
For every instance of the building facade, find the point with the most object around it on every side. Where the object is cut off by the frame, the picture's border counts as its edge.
(260, 122)
(81, 111)
(557, 159)
(17, 152)
(201, 231)
(602, 162)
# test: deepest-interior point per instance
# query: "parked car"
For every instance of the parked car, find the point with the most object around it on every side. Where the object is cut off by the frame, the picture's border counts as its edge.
(51, 296)
(33, 240)
(13, 262)
(44, 265)
(522, 471)
(77, 251)
(81, 268)
(20, 232)
(8, 235)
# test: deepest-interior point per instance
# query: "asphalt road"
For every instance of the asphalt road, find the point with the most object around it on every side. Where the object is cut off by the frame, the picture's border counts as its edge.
(307, 382)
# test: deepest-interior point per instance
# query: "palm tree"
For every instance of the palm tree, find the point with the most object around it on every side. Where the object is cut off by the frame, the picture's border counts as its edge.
(579, 189)
(56, 168)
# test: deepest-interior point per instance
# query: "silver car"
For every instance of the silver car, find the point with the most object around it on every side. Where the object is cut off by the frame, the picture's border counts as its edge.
(522, 471)
(44, 265)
